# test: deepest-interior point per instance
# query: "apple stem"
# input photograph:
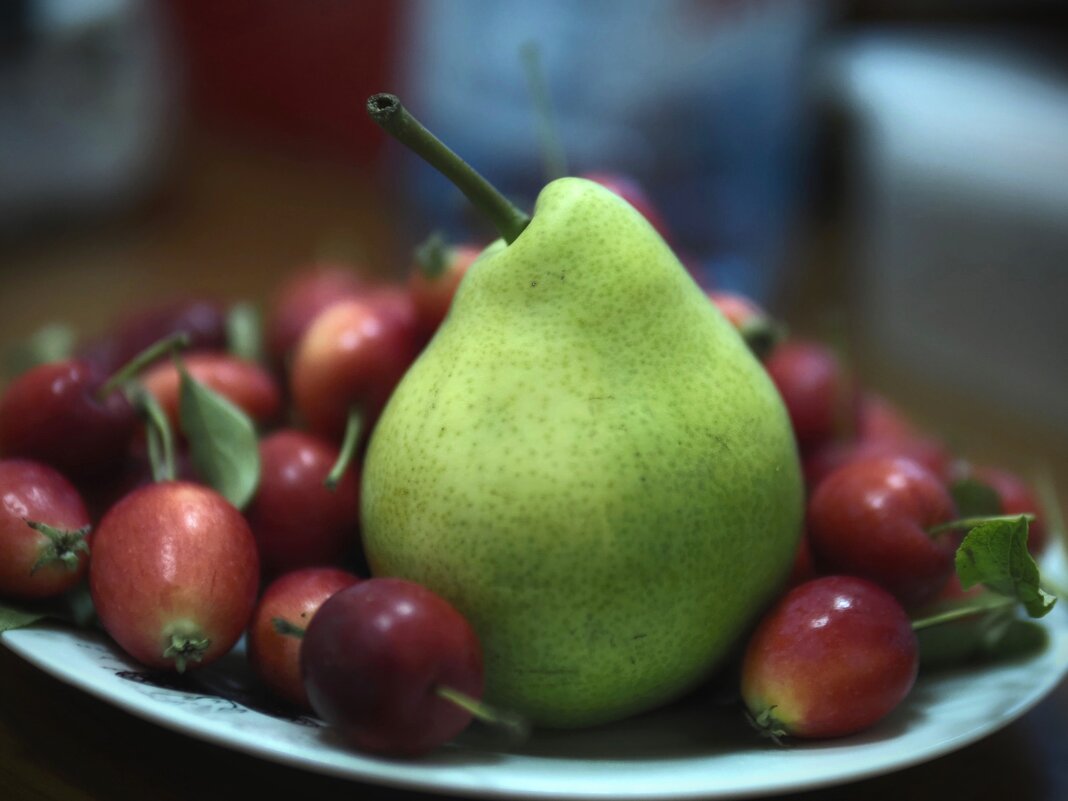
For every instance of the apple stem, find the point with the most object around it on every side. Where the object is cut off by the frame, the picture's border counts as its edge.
(393, 117)
(353, 428)
(433, 255)
(762, 335)
(159, 435)
(514, 725)
(138, 363)
(972, 522)
(64, 546)
(960, 612)
(287, 628)
(554, 160)
(184, 649)
(768, 725)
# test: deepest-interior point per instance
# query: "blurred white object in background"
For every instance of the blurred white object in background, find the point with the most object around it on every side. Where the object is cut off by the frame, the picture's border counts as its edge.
(87, 95)
(959, 176)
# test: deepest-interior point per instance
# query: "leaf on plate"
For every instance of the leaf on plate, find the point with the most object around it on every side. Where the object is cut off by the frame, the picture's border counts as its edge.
(995, 554)
(14, 617)
(222, 440)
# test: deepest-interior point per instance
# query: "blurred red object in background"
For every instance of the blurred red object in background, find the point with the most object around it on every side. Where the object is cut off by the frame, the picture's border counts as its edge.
(296, 70)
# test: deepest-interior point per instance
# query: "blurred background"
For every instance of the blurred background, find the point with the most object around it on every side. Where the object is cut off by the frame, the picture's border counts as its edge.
(889, 176)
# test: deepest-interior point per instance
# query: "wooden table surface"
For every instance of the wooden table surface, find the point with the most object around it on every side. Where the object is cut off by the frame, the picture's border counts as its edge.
(230, 221)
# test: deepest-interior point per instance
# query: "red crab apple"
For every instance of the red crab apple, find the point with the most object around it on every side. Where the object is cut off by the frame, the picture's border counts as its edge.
(376, 660)
(302, 298)
(352, 356)
(174, 575)
(833, 657)
(293, 598)
(434, 279)
(245, 384)
(1016, 498)
(296, 520)
(815, 389)
(871, 518)
(43, 531)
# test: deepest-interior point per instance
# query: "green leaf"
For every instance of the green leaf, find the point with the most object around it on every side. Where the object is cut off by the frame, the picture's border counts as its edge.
(14, 617)
(974, 498)
(222, 440)
(52, 343)
(995, 554)
(244, 332)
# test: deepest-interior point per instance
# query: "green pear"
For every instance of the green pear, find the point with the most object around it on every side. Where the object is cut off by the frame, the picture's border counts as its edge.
(590, 465)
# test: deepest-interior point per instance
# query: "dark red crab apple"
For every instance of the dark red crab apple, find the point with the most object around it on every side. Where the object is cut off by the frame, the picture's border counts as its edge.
(203, 320)
(376, 658)
(834, 656)
(433, 281)
(296, 520)
(815, 389)
(871, 518)
(293, 598)
(174, 575)
(54, 414)
(49, 557)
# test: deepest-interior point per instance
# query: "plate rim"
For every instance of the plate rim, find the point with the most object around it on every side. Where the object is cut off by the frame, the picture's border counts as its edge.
(391, 773)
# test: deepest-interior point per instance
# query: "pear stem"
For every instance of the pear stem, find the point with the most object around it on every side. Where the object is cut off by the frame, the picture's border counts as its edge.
(348, 449)
(393, 117)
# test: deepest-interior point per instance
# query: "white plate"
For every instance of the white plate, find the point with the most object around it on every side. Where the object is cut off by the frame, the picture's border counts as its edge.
(698, 748)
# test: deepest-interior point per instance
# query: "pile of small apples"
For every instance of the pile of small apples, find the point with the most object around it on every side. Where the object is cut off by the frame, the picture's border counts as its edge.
(203, 478)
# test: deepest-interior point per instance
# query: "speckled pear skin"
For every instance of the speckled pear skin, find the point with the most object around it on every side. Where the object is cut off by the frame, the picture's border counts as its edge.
(590, 465)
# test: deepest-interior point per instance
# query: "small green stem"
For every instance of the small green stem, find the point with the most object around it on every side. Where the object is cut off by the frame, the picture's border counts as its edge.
(515, 726)
(393, 117)
(972, 522)
(286, 628)
(159, 434)
(138, 363)
(64, 546)
(762, 336)
(433, 255)
(961, 612)
(348, 449)
(553, 157)
(185, 643)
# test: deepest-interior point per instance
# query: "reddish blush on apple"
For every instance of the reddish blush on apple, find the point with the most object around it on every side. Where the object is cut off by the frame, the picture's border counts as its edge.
(293, 598)
(44, 531)
(352, 357)
(174, 575)
(301, 298)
